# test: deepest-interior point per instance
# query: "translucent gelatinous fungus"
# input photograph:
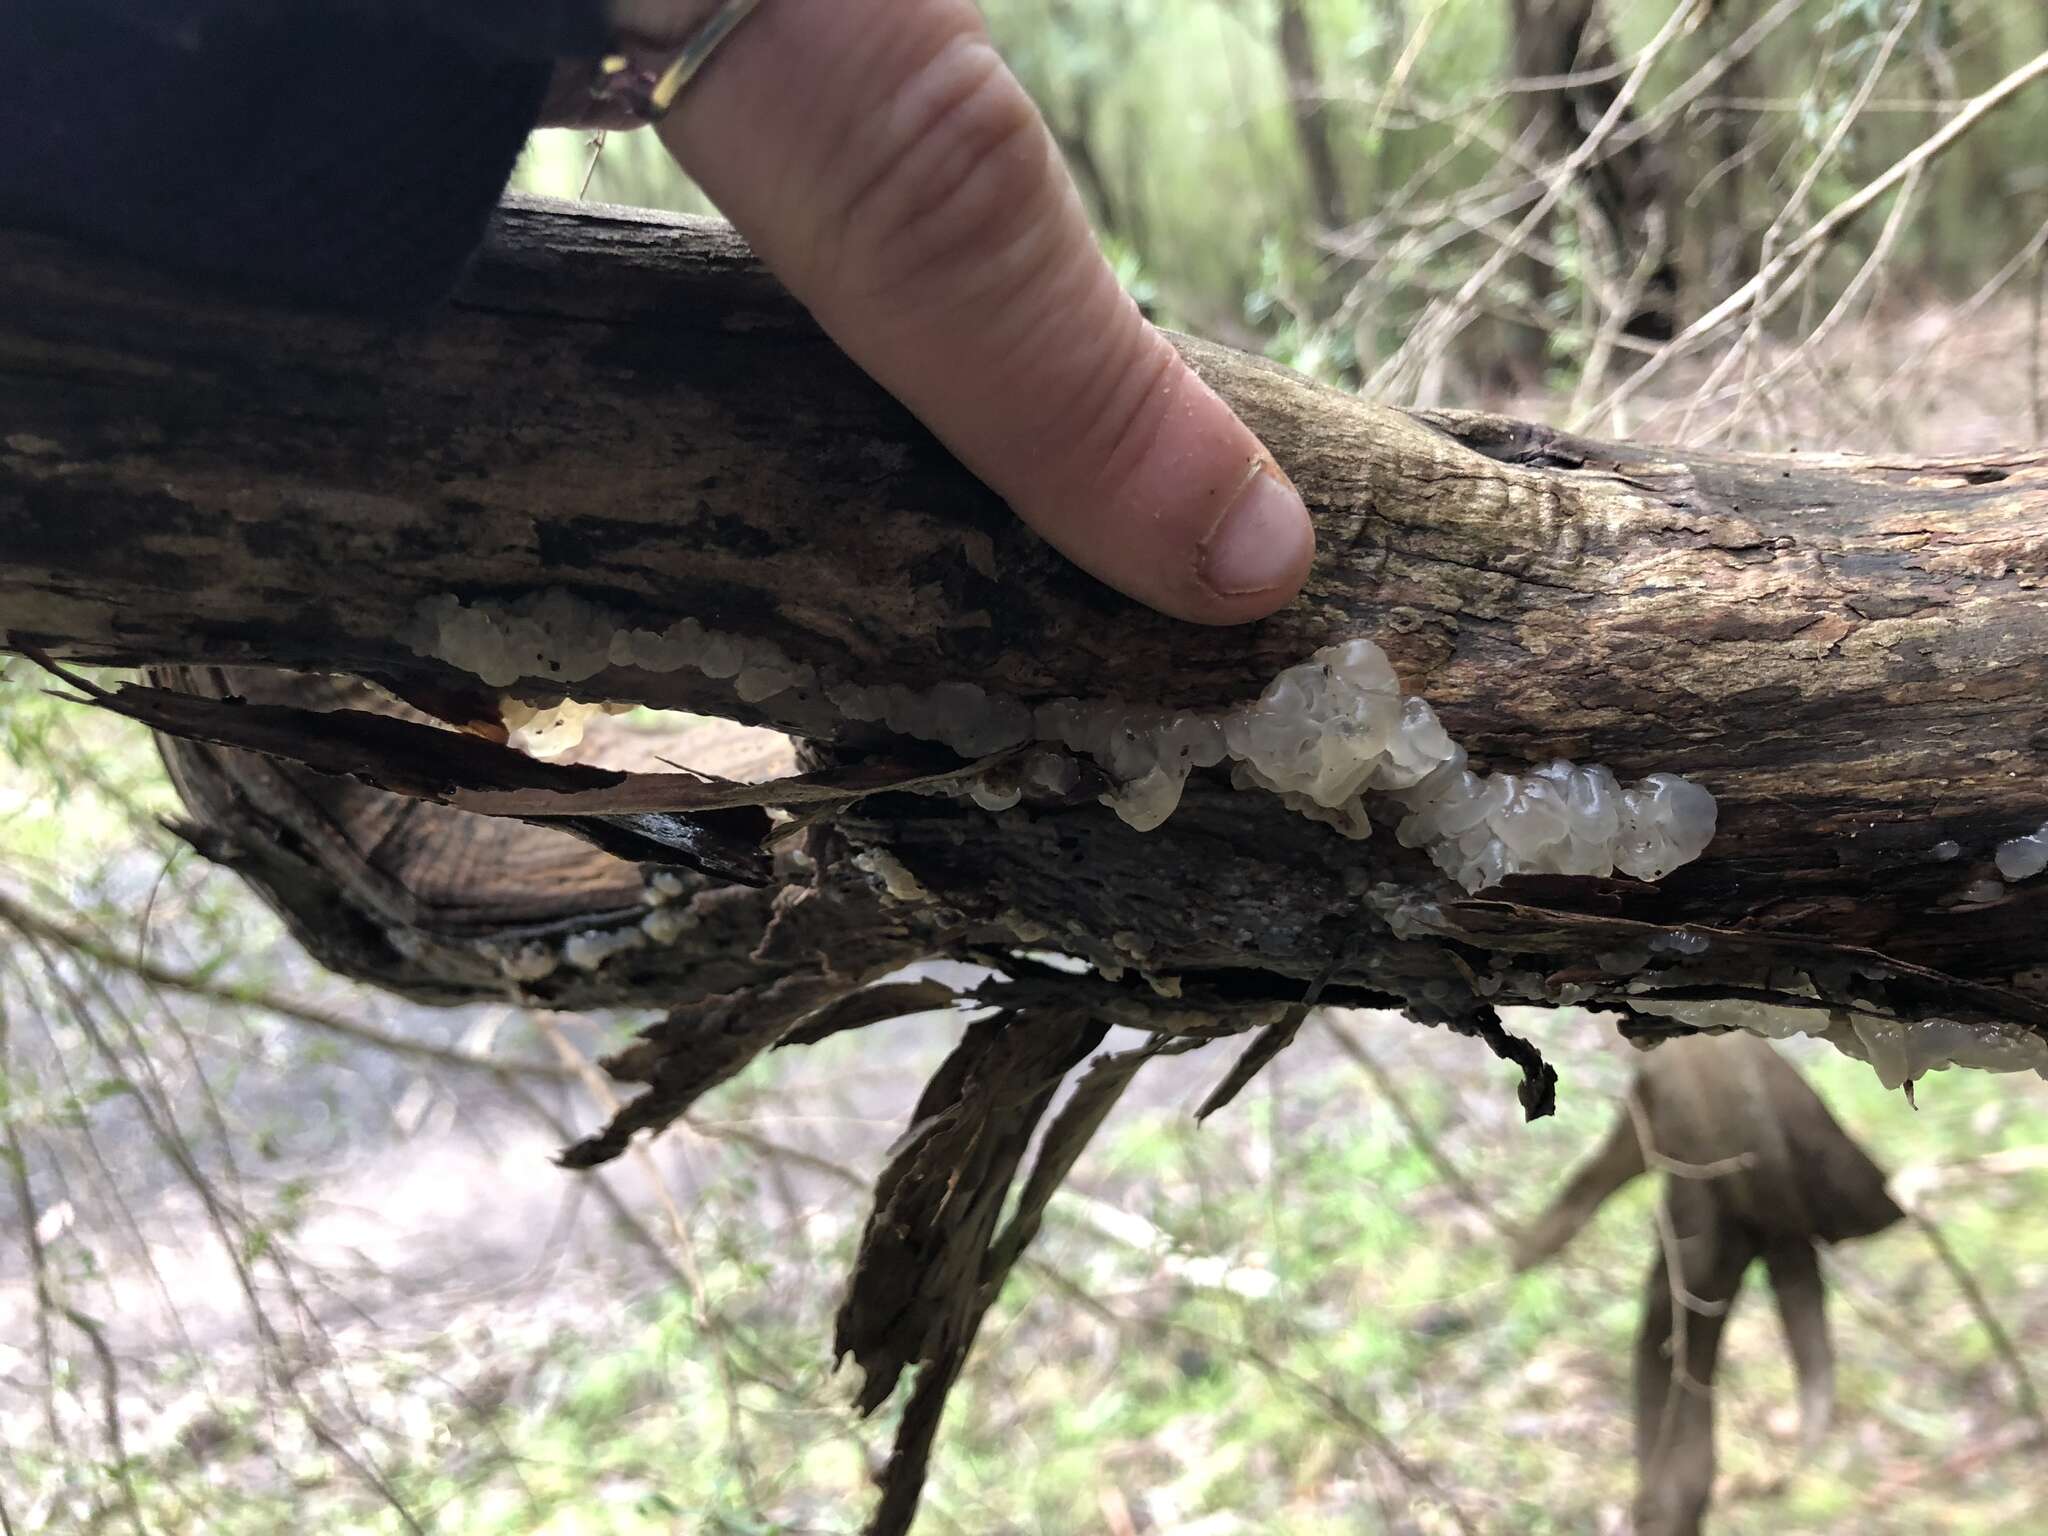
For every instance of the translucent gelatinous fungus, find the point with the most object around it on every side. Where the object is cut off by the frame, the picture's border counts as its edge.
(1324, 736)
(2023, 857)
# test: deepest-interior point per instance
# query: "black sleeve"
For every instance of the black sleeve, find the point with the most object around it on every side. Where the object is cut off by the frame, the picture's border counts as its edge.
(533, 28)
(345, 151)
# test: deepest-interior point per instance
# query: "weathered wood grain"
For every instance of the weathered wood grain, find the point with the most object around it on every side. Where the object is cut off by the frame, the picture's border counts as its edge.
(1849, 654)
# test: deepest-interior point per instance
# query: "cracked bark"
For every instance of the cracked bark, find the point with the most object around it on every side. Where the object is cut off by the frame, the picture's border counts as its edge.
(1847, 653)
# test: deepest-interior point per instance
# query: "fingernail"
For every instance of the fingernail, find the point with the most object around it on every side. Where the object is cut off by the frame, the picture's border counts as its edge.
(1262, 542)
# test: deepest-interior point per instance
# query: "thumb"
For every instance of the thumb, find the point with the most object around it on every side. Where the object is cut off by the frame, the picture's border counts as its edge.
(893, 173)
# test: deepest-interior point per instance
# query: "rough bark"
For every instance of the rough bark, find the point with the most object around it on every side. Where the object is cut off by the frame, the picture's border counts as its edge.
(1847, 653)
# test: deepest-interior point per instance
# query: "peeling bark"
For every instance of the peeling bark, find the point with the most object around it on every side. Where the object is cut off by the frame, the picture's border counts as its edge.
(1755, 1169)
(1847, 653)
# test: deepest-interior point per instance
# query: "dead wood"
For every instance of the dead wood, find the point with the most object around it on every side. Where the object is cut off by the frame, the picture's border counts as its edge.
(1848, 653)
(1755, 1169)
(1844, 652)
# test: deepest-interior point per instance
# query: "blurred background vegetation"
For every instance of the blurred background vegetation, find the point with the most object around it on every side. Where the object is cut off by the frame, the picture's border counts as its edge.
(1315, 179)
(286, 1254)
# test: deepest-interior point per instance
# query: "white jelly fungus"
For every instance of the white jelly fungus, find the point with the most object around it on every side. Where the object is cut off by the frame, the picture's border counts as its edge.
(1324, 736)
(2023, 857)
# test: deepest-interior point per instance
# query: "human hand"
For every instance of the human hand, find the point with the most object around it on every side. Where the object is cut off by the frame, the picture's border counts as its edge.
(887, 166)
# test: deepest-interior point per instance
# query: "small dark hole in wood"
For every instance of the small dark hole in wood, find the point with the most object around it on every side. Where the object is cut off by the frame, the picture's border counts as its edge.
(1984, 476)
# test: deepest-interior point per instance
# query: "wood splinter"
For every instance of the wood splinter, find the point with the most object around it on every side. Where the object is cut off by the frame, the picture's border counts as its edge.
(1755, 1169)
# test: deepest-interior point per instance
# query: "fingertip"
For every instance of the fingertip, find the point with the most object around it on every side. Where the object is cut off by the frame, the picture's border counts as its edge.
(1257, 555)
(1187, 512)
(918, 206)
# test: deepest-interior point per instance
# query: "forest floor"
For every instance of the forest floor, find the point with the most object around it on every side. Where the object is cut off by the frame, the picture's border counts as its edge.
(291, 1281)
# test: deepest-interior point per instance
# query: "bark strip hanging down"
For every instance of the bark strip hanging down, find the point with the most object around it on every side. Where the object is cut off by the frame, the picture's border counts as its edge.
(708, 824)
(1847, 654)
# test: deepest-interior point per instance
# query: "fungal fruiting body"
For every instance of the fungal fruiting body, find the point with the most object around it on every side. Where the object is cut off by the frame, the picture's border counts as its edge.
(1324, 736)
(2023, 857)
(1897, 1050)
(562, 637)
(1334, 729)
(1681, 942)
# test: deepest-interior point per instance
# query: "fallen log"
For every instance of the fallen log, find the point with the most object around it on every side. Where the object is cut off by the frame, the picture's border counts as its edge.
(1847, 654)
(623, 453)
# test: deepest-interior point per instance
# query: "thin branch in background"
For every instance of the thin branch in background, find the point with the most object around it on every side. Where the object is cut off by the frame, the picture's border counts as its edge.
(1383, 1081)
(233, 1230)
(2035, 250)
(1396, 85)
(1683, 1301)
(598, 141)
(1748, 348)
(1443, 321)
(1765, 290)
(2037, 339)
(1332, 1404)
(104, 1175)
(110, 1414)
(710, 1319)
(29, 923)
(1801, 356)
(629, 1220)
(2025, 1396)
(31, 1219)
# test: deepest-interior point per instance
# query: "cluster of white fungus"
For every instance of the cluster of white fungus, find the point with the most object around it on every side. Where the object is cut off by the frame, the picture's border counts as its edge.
(1679, 941)
(668, 919)
(969, 719)
(1327, 733)
(1334, 729)
(525, 962)
(560, 636)
(1324, 735)
(1898, 1051)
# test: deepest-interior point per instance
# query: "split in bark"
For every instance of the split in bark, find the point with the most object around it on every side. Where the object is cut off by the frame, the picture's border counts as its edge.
(1848, 654)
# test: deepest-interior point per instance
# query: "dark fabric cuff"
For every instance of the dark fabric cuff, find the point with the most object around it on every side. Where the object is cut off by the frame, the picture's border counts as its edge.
(339, 153)
(530, 29)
